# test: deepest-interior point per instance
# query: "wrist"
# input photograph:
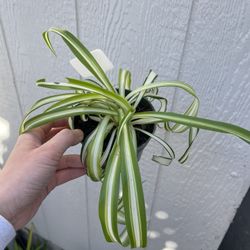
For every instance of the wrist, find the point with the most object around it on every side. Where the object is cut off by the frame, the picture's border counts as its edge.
(5, 200)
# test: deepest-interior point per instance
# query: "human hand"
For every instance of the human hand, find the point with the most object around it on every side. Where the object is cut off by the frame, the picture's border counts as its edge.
(35, 167)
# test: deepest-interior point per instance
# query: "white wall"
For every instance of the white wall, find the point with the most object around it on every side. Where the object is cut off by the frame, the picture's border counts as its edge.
(205, 43)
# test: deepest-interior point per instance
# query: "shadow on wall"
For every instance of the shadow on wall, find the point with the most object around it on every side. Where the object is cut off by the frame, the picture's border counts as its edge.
(153, 235)
(4, 135)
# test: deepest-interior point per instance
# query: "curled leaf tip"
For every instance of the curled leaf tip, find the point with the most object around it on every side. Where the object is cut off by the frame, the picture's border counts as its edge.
(41, 80)
(47, 40)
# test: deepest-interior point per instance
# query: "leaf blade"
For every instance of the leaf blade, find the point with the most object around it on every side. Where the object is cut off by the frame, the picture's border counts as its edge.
(109, 194)
(82, 53)
(47, 117)
(196, 122)
(94, 151)
(75, 84)
(133, 197)
(124, 81)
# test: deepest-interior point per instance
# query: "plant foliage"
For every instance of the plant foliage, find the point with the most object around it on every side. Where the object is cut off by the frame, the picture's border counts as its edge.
(121, 204)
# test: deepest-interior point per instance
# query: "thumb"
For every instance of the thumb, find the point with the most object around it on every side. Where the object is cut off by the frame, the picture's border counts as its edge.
(63, 140)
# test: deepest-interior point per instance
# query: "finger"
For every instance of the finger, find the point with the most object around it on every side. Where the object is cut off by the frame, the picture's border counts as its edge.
(42, 132)
(70, 161)
(37, 136)
(69, 174)
(53, 132)
(62, 176)
(57, 145)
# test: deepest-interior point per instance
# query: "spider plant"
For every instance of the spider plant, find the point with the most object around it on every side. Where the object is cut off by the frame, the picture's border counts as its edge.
(110, 148)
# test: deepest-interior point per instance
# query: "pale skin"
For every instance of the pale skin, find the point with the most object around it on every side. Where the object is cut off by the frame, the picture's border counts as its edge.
(35, 167)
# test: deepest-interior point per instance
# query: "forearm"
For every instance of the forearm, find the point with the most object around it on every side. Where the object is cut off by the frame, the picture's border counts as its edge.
(6, 198)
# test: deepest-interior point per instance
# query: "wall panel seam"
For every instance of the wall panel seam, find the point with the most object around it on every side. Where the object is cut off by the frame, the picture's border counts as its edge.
(11, 68)
(85, 180)
(185, 40)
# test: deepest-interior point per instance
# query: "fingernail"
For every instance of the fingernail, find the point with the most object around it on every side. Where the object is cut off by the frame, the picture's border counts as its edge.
(78, 133)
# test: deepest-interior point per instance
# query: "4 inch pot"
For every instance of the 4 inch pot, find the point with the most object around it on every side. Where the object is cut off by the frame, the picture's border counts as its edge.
(142, 139)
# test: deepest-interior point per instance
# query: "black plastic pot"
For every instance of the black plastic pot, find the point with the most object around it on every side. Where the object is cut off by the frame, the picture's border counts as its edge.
(142, 139)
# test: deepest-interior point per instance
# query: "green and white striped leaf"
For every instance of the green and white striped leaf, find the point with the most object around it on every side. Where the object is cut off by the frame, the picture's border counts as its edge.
(94, 151)
(124, 81)
(42, 102)
(90, 138)
(121, 217)
(190, 121)
(176, 84)
(125, 119)
(51, 99)
(149, 79)
(163, 160)
(191, 111)
(133, 197)
(74, 84)
(193, 132)
(85, 144)
(82, 53)
(108, 148)
(109, 195)
(162, 100)
(76, 100)
(47, 117)
(124, 238)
